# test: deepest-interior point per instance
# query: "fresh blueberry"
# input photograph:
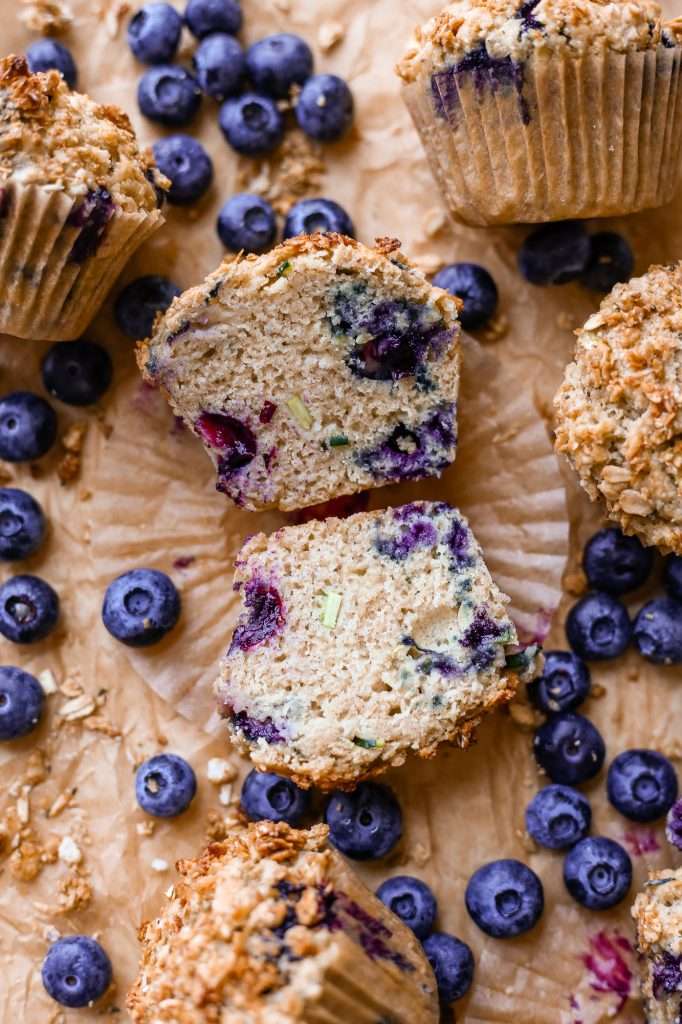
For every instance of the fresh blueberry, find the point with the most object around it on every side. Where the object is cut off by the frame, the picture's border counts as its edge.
(324, 109)
(140, 607)
(453, 964)
(266, 796)
(165, 785)
(46, 54)
(28, 426)
(206, 16)
(563, 685)
(611, 260)
(366, 823)
(22, 524)
(569, 748)
(672, 576)
(76, 971)
(555, 253)
(597, 873)
(247, 222)
(186, 164)
(168, 94)
(412, 901)
(278, 62)
(309, 216)
(673, 825)
(615, 563)
(658, 631)
(219, 65)
(475, 287)
(598, 627)
(21, 702)
(77, 372)
(558, 816)
(139, 302)
(29, 609)
(641, 784)
(154, 33)
(251, 124)
(504, 898)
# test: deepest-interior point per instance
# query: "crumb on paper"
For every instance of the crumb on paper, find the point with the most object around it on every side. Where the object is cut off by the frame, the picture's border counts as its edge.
(70, 688)
(225, 794)
(6, 473)
(295, 170)
(45, 17)
(75, 893)
(69, 466)
(496, 328)
(25, 862)
(527, 841)
(330, 34)
(219, 770)
(160, 865)
(420, 854)
(98, 723)
(564, 321)
(69, 851)
(145, 828)
(524, 716)
(47, 681)
(37, 767)
(597, 691)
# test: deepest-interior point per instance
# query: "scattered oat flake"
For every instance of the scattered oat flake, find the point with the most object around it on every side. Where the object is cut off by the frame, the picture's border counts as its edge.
(98, 723)
(79, 707)
(433, 221)
(47, 681)
(69, 851)
(225, 794)
(60, 803)
(70, 688)
(160, 865)
(219, 770)
(145, 828)
(329, 34)
(46, 17)
(23, 810)
(420, 854)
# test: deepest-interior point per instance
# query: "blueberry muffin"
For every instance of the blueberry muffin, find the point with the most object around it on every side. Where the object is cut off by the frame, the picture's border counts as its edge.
(77, 198)
(619, 409)
(658, 914)
(362, 640)
(320, 369)
(272, 927)
(548, 109)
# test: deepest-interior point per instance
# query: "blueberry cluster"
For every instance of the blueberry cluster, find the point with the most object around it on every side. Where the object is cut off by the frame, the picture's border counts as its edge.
(562, 252)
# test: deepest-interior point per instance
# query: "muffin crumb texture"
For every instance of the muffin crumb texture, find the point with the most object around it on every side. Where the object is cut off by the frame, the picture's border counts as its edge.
(658, 915)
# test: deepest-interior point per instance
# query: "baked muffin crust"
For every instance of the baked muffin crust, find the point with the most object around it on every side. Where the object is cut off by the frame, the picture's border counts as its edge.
(658, 916)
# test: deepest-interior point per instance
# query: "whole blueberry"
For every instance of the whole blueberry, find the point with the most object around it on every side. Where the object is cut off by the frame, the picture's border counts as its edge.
(206, 16)
(611, 260)
(219, 65)
(504, 898)
(555, 253)
(154, 33)
(569, 748)
(563, 685)
(308, 216)
(642, 784)
(324, 109)
(597, 873)
(251, 124)
(366, 823)
(21, 702)
(168, 94)
(140, 607)
(598, 627)
(453, 964)
(48, 54)
(28, 426)
(186, 164)
(558, 816)
(614, 563)
(658, 631)
(673, 825)
(475, 287)
(76, 971)
(165, 785)
(138, 304)
(278, 62)
(247, 222)
(29, 609)
(77, 372)
(266, 796)
(22, 524)
(672, 576)
(412, 901)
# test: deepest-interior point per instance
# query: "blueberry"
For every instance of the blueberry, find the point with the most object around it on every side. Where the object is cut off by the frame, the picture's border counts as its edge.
(77, 372)
(615, 563)
(558, 816)
(597, 873)
(366, 823)
(186, 164)
(76, 971)
(266, 796)
(658, 631)
(140, 607)
(278, 62)
(475, 287)
(206, 16)
(412, 901)
(569, 748)
(21, 702)
(453, 964)
(22, 524)
(324, 110)
(165, 785)
(219, 65)
(672, 576)
(309, 216)
(563, 685)
(598, 627)
(139, 302)
(28, 426)
(154, 33)
(673, 825)
(555, 253)
(247, 222)
(29, 609)
(611, 260)
(46, 54)
(251, 124)
(168, 94)
(641, 784)
(504, 898)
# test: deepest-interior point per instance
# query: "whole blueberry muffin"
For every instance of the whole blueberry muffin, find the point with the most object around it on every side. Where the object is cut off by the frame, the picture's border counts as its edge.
(618, 409)
(77, 197)
(362, 640)
(271, 926)
(658, 915)
(319, 369)
(540, 110)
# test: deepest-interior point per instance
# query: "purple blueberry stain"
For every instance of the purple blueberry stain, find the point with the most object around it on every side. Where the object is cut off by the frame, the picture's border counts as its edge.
(488, 74)
(608, 967)
(667, 975)
(412, 452)
(265, 616)
(231, 437)
(184, 561)
(409, 530)
(641, 841)
(92, 216)
(341, 913)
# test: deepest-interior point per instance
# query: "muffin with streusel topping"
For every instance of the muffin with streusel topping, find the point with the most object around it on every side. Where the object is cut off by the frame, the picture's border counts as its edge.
(658, 915)
(77, 198)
